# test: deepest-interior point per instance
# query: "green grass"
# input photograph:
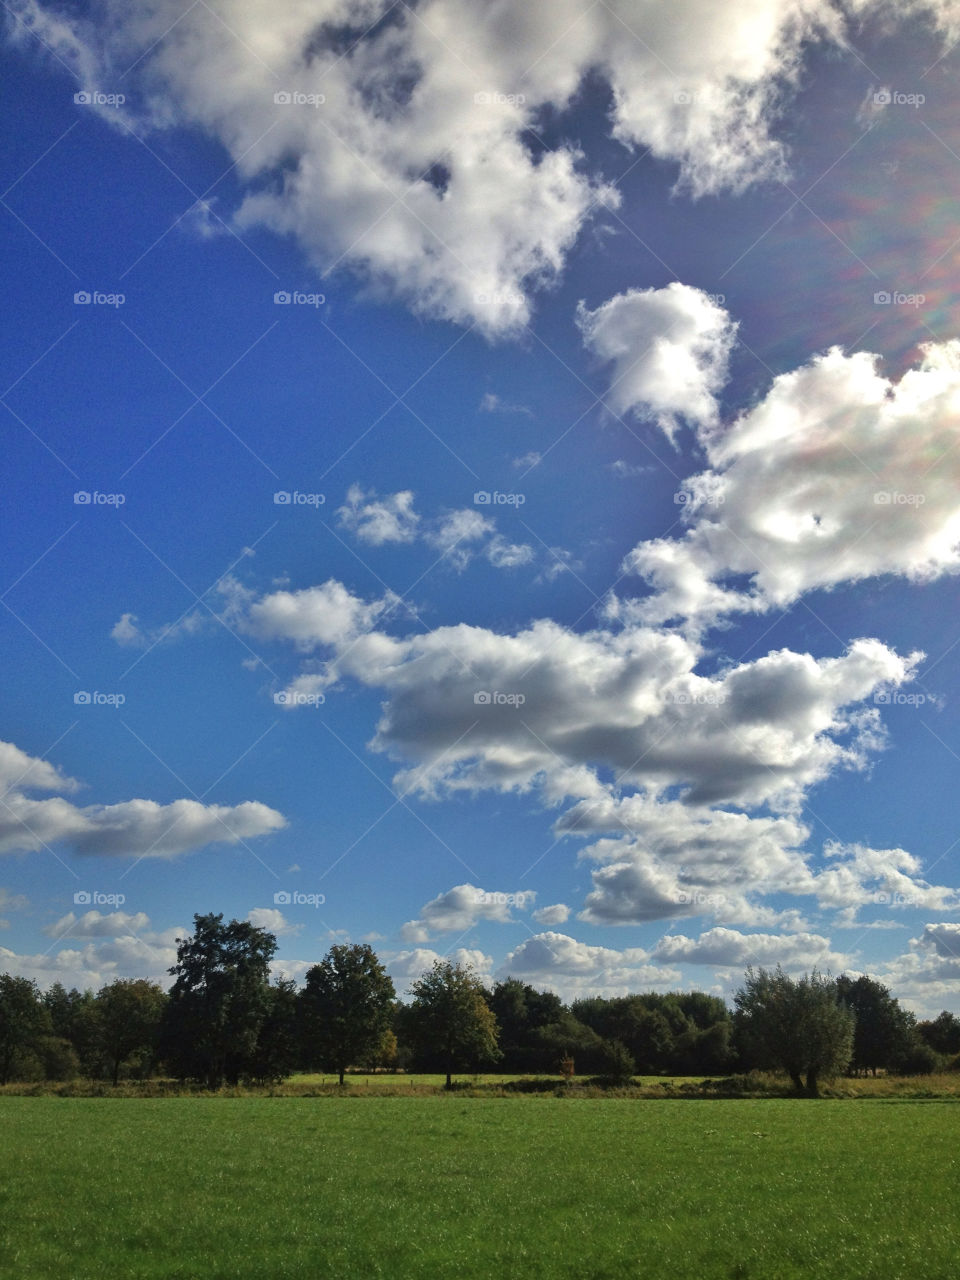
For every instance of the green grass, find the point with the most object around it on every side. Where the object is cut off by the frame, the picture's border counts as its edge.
(332, 1189)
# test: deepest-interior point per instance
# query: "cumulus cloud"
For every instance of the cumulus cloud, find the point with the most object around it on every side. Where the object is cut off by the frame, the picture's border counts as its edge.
(570, 967)
(557, 913)
(927, 976)
(93, 924)
(407, 966)
(463, 906)
(837, 475)
(669, 349)
(142, 828)
(730, 949)
(376, 520)
(399, 145)
(274, 921)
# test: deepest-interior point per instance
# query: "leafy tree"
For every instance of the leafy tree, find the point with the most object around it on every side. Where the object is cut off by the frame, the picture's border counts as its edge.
(278, 1046)
(618, 1065)
(943, 1033)
(346, 1004)
(129, 1015)
(521, 1012)
(24, 1021)
(449, 1013)
(884, 1032)
(801, 1026)
(73, 1015)
(219, 1000)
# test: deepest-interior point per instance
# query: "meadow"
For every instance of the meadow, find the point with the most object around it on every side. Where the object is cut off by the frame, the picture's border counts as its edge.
(448, 1186)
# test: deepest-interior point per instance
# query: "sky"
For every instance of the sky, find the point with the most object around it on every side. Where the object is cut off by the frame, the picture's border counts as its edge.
(483, 479)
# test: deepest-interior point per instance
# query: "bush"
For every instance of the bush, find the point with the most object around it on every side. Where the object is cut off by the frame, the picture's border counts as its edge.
(616, 1062)
(918, 1060)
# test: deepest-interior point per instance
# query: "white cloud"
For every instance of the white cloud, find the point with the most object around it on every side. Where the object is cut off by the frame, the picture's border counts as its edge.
(407, 966)
(376, 520)
(141, 828)
(463, 906)
(730, 949)
(93, 924)
(557, 913)
(837, 475)
(669, 349)
(315, 616)
(273, 921)
(573, 968)
(415, 170)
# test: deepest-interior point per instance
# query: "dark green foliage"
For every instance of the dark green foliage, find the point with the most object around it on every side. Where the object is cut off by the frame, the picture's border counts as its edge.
(219, 1001)
(345, 1008)
(942, 1034)
(449, 1015)
(884, 1033)
(24, 1022)
(800, 1026)
(129, 1013)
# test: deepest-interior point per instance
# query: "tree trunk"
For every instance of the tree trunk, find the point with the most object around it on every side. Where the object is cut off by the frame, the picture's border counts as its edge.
(341, 1077)
(813, 1090)
(116, 1071)
(797, 1079)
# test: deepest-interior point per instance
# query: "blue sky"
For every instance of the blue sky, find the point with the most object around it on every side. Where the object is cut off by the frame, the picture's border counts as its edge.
(676, 292)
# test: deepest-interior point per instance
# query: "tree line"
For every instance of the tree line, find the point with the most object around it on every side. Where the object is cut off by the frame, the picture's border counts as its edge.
(223, 1021)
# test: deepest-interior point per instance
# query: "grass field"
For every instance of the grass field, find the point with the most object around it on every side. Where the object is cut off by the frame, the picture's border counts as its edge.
(444, 1187)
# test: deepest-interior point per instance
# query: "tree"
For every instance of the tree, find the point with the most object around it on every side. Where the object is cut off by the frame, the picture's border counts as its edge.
(884, 1034)
(449, 1013)
(801, 1026)
(277, 1048)
(24, 1021)
(347, 1001)
(74, 1017)
(219, 1000)
(129, 1015)
(942, 1034)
